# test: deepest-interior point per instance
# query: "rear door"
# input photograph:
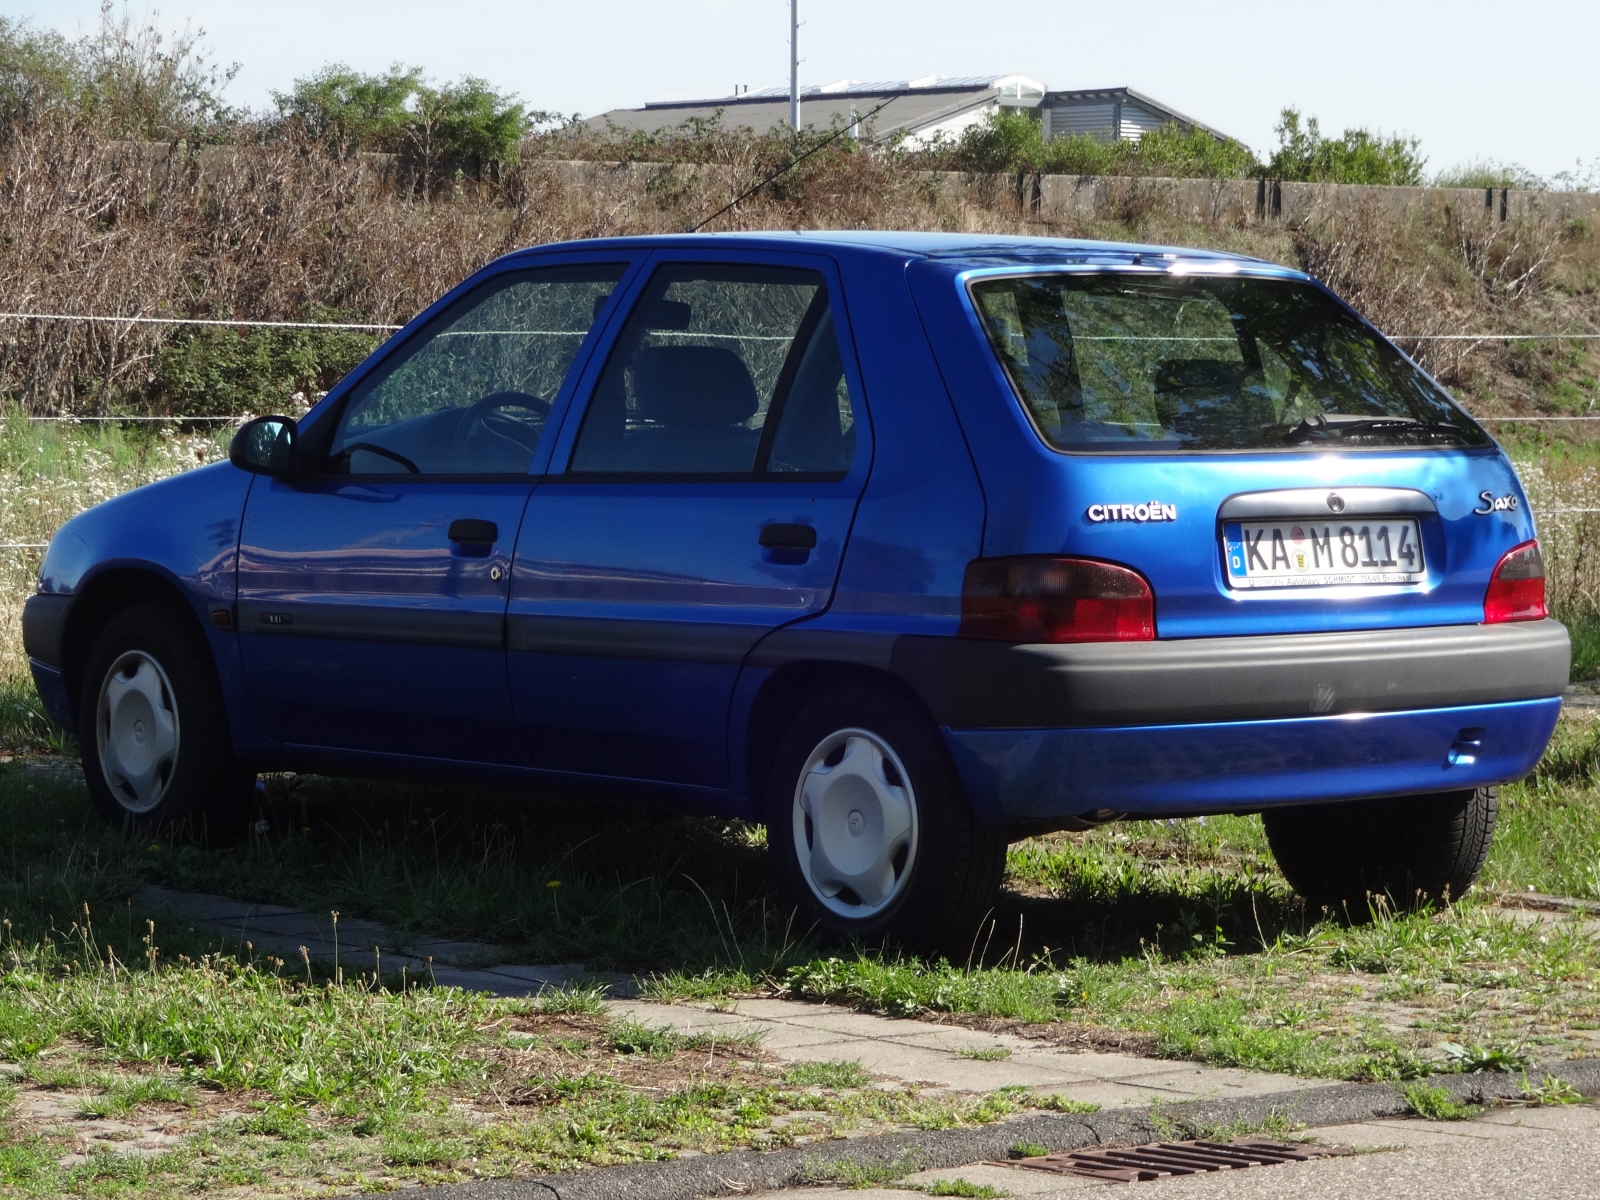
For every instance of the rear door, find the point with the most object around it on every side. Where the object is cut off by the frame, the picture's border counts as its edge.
(372, 591)
(700, 496)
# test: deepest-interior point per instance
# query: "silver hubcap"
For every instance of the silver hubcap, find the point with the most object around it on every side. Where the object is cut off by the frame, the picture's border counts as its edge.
(137, 731)
(855, 823)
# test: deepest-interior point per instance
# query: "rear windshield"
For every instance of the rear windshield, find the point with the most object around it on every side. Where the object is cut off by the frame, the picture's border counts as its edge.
(1120, 362)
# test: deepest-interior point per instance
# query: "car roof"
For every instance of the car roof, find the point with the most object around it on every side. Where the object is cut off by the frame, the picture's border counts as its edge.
(958, 250)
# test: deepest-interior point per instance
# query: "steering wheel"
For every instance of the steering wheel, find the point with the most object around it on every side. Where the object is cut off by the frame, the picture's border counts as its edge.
(480, 436)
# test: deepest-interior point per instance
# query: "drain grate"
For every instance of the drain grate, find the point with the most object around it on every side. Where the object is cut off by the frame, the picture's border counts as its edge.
(1131, 1164)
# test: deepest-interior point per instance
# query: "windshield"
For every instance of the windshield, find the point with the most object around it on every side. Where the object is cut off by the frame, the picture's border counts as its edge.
(1122, 362)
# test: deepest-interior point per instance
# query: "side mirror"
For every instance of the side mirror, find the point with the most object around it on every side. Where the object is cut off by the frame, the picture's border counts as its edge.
(264, 446)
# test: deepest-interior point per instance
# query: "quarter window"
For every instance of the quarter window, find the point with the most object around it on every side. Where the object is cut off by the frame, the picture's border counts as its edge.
(723, 370)
(471, 394)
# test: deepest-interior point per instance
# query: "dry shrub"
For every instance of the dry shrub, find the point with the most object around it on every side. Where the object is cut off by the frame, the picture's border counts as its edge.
(285, 229)
(1382, 266)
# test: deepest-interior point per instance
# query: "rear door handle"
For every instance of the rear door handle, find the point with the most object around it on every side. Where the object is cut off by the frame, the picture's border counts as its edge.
(789, 537)
(474, 533)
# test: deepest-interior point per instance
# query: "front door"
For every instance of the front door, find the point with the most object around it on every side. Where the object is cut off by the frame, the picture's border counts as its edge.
(372, 591)
(700, 499)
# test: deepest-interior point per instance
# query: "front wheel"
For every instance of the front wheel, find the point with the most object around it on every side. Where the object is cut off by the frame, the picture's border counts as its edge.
(869, 831)
(157, 754)
(1411, 850)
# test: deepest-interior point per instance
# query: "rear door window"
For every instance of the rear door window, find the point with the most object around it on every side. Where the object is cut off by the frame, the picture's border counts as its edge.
(722, 371)
(1108, 362)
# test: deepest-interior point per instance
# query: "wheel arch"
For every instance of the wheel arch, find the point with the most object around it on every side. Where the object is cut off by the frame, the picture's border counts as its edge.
(105, 595)
(786, 691)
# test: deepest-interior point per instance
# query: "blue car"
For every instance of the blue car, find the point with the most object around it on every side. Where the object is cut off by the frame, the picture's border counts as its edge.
(906, 545)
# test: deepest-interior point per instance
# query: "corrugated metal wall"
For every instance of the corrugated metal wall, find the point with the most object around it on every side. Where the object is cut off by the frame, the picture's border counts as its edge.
(1072, 120)
(1137, 120)
(1106, 120)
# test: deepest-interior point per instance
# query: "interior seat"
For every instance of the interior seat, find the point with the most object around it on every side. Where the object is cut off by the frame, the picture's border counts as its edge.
(697, 402)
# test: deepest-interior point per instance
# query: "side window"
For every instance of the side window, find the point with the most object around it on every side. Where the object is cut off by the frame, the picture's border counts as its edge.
(722, 370)
(471, 393)
(816, 429)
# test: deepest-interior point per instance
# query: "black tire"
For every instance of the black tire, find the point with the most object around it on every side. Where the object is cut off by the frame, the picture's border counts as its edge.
(162, 662)
(947, 879)
(1413, 850)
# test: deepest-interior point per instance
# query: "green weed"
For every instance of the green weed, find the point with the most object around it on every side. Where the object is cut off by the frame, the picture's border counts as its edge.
(1029, 1150)
(960, 1187)
(836, 1074)
(1549, 1091)
(571, 1001)
(1065, 1104)
(1437, 1104)
(407, 1148)
(125, 1095)
(985, 1053)
(1476, 1058)
(860, 1175)
(287, 1122)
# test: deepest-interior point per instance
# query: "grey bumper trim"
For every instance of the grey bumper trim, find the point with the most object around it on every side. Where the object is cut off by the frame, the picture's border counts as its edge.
(44, 627)
(975, 684)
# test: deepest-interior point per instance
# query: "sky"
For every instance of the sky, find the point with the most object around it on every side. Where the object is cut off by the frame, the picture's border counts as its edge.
(1516, 83)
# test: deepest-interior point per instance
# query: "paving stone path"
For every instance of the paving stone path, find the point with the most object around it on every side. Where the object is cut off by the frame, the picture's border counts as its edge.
(363, 946)
(937, 1055)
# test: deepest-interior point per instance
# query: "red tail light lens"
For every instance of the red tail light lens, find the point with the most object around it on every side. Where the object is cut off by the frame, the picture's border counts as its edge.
(1037, 599)
(1516, 589)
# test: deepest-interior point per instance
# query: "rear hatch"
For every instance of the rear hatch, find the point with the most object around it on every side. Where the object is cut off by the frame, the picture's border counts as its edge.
(1230, 430)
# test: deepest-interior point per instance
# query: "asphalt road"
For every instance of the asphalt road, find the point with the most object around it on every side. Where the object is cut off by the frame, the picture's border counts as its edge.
(1526, 1154)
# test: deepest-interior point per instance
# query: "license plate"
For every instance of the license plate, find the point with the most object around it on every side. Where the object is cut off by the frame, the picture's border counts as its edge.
(1322, 553)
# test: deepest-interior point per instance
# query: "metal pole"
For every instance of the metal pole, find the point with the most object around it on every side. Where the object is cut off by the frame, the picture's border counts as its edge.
(794, 64)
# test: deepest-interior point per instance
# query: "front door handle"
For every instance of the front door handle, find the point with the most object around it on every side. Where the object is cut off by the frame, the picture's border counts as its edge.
(789, 537)
(474, 533)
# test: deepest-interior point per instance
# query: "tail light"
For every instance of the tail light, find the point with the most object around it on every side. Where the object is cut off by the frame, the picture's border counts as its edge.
(1038, 599)
(1516, 589)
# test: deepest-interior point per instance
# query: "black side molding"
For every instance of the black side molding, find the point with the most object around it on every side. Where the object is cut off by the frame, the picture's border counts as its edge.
(373, 623)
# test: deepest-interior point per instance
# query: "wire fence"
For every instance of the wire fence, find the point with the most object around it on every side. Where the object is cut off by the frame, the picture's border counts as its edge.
(378, 328)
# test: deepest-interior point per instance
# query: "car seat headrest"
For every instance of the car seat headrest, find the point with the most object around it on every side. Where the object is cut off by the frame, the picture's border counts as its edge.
(693, 386)
(1197, 374)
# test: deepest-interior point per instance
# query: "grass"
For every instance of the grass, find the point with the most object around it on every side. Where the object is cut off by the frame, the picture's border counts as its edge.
(1178, 939)
(368, 1088)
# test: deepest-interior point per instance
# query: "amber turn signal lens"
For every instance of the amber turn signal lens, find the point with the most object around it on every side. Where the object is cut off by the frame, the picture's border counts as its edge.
(1516, 589)
(1046, 599)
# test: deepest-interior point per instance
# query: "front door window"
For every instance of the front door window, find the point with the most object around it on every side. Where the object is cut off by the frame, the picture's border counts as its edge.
(471, 395)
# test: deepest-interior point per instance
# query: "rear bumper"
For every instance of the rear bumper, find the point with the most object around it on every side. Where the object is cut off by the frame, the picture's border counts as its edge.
(1028, 775)
(968, 683)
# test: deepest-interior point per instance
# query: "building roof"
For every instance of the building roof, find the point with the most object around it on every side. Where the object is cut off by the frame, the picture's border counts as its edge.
(906, 105)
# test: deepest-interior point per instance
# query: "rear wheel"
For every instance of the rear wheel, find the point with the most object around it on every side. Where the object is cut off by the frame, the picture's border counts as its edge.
(869, 831)
(157, 754)
(1409, 849)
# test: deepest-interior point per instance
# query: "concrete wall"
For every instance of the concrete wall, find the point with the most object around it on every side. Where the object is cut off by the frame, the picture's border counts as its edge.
(1050, 197)
(1244, 201)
